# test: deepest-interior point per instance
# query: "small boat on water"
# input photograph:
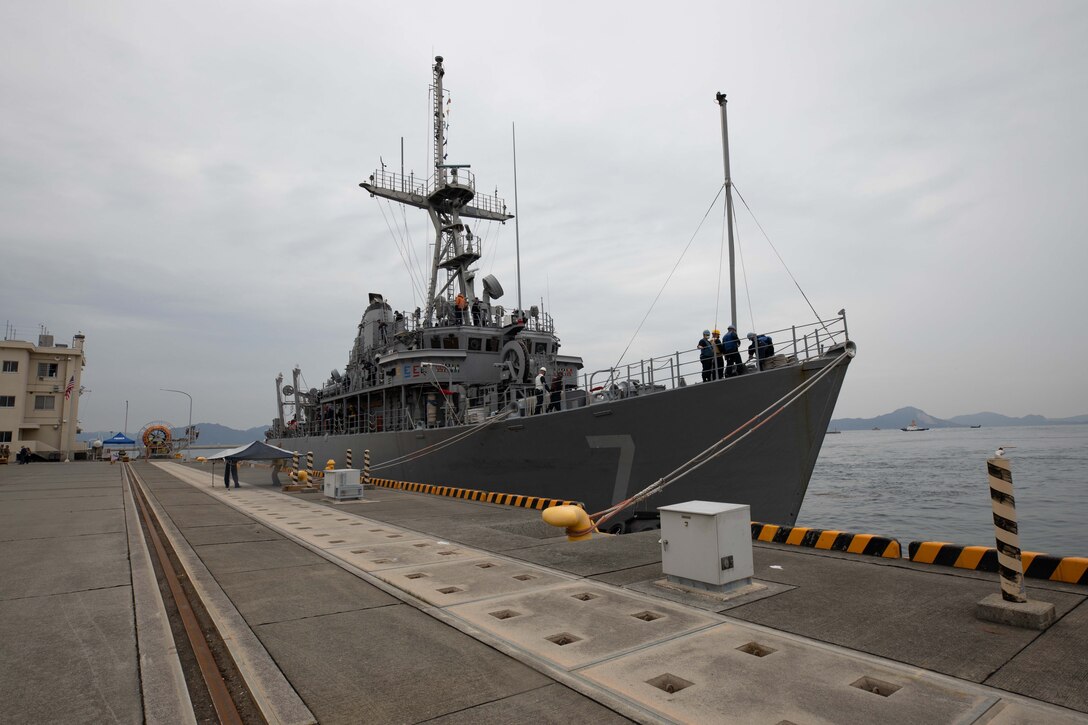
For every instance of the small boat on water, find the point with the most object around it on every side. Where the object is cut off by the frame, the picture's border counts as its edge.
(913, 427)
(977, 426)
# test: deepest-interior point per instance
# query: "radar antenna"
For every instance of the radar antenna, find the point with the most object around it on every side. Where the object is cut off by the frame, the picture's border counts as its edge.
(448, 196)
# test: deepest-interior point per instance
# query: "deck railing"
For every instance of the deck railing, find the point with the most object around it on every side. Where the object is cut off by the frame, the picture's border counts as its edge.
(792, 345)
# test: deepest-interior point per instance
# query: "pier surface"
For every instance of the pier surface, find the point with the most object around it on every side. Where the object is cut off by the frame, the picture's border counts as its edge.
(410, 608)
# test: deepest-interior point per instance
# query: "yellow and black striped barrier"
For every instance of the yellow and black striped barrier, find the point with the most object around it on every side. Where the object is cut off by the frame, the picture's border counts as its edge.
(468, 494)
(828, 540)
(1067, 569)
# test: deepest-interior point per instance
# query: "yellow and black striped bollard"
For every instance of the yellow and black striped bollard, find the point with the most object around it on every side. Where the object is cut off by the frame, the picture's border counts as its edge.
(347, 459)
(294, 466)
(366, 467)
(310, 464)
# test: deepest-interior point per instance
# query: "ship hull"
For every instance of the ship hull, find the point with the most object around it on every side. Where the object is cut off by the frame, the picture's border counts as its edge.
(603, 453)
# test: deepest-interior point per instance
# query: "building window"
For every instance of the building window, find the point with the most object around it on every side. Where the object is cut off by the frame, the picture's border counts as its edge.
(11, 366)
(7, 401)
(44, 402)
(47, 370)
(5, 436)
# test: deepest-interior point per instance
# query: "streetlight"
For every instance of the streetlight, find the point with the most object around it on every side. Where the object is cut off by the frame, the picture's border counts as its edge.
(189, 430)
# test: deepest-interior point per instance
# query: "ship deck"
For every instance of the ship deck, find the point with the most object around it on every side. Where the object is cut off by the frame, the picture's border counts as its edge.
(409, 608)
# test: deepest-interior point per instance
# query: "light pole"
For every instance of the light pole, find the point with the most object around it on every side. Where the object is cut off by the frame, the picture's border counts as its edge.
(189, 430)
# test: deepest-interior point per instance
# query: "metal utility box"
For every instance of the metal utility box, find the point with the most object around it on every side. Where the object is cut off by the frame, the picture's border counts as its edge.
(707, 545)
(342, 484)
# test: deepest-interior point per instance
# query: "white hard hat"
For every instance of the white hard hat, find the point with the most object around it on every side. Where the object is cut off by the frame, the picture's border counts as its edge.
(543, 370)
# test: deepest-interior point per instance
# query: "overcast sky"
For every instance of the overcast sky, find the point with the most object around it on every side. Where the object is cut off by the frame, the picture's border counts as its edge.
(179, 182)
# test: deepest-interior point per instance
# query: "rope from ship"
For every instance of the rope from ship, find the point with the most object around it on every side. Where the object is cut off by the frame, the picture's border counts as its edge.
(434, 447)
(721, 446)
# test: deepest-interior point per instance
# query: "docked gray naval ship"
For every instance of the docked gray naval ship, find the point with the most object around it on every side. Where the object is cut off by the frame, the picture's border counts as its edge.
(448, 394)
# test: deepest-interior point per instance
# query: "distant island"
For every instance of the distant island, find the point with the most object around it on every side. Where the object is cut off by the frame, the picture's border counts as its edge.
(902, 417)
(210, 434)
(213, 434)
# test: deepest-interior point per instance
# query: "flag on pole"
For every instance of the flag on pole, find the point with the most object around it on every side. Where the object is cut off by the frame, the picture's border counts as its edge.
(69, 387)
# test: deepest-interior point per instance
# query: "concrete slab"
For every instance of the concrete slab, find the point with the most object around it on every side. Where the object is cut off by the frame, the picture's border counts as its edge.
(1053, 667)
(390, 665)
(38, 567)
(1032, 614)
(708, 601)
(549, 705)
(572, 625)
(599, 555)
(69, 658)
(203, 535)
(412, 553)
(93, 498)
(65, 524)
(458, 582)
(178, 497)
(274, 595)
(212, 514)
(625, 577)
(926, 619)
(253, 555)
(714, 681)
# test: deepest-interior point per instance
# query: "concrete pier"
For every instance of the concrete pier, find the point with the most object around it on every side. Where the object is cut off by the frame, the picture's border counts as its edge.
(406, 608)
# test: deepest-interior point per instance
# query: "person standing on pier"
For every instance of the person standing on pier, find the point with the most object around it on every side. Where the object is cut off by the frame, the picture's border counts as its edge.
(229, 472)
(706, 356)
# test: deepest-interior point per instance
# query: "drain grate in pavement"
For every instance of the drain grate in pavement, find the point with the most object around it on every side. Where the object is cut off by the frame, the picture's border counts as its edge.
(670, 683)
(647, 616)
(505, 614)
(563, 639)
(754, 648)
(875, 686)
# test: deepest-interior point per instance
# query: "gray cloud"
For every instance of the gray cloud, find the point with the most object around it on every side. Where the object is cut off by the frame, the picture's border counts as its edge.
(180, 183)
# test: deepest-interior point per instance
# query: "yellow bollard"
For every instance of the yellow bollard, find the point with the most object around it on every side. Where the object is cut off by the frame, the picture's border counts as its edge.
(330, 465)
(303, 476)
(573, 518)
(200, 459)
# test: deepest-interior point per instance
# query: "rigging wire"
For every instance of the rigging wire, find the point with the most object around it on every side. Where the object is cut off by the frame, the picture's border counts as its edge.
(784, 266)
(744, 275)
(664, 284)
(434, 447)
(721, 263)
(400, 250)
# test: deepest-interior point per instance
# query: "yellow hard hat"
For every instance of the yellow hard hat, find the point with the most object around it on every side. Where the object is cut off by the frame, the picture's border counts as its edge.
(717, 332)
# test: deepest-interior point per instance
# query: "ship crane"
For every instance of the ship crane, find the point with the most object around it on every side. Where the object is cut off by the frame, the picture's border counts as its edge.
(449, 196)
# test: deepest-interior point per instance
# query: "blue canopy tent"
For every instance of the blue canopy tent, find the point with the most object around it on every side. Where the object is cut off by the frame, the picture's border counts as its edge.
(255, 451)
(119, 440)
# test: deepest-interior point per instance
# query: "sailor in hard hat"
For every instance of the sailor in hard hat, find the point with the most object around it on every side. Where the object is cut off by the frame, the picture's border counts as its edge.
(706, 356)
(731, 348)
(719, 355)
(541, 383)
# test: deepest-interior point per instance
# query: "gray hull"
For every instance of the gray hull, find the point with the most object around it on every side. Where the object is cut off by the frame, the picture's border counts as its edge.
(603, 453)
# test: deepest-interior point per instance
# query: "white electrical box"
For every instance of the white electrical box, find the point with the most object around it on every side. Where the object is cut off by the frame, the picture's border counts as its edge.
(706, 544)
(342, 484)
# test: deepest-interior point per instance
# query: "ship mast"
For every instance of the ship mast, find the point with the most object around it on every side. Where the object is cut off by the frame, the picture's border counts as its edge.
(448, 196)
(729, 211)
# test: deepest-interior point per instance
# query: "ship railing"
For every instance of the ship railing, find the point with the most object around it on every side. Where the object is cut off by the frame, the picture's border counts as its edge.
(792, 345)
(409, 184)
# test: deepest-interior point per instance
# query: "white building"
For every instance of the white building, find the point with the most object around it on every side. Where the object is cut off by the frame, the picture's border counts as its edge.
(34, 409)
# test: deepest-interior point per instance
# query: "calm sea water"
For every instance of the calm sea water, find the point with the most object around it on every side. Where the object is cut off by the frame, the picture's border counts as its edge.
(932, 485)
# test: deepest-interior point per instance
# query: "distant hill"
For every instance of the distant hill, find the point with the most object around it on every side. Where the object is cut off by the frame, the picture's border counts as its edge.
(903, 416)
(210, 434)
